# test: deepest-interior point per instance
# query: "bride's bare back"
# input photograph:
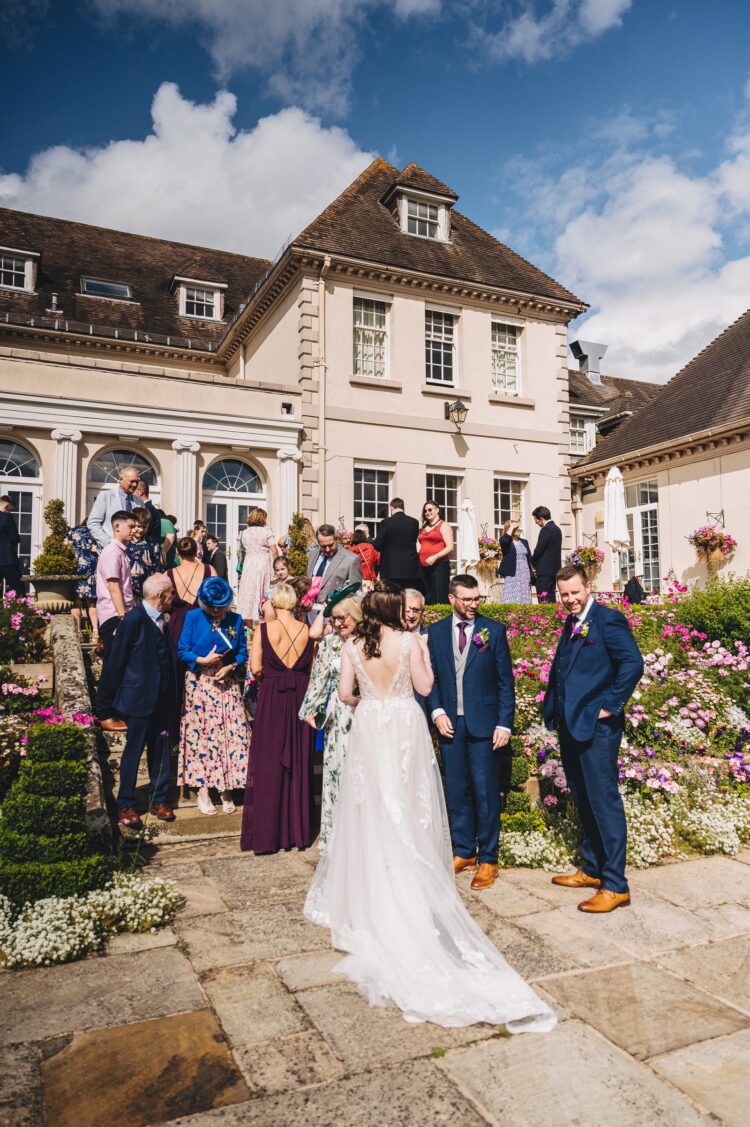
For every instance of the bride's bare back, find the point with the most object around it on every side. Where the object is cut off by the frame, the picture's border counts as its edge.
(382, 672)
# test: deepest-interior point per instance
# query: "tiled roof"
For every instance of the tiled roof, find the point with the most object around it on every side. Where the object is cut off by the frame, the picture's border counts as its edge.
(70, 250)
(417, 178)
(615, 394)
(358, 225)
(711, 392)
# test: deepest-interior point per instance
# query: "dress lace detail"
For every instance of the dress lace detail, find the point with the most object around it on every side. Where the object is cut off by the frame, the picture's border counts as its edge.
(386, 888)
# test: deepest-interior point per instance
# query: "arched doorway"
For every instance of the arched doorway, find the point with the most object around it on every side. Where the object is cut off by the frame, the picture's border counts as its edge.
(231, 488)
(104, 472)
(21, 480)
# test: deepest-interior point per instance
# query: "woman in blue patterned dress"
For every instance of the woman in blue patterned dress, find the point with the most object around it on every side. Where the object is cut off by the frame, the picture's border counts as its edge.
(515, 566)
(140, 553)
(87, 557)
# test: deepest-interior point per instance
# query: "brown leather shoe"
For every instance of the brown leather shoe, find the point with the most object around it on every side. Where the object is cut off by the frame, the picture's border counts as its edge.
(163, 812)
(579, 879)
(113, 725)
(129, 819)
(461, 863)
(605, 901)
(486, 876)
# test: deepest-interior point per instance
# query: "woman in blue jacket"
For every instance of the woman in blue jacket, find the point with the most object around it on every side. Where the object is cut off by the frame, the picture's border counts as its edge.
(515, 566)
(214, 730)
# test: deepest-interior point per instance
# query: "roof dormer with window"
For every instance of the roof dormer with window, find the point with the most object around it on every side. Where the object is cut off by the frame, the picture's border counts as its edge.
(18, 269)
(421, 204)
(199, 299)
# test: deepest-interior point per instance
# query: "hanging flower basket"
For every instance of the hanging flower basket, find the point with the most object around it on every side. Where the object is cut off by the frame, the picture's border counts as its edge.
(712, 545)
(489, 555)
(587, 556)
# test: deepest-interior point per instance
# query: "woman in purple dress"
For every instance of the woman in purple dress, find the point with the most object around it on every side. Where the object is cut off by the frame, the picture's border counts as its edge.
(278, 807)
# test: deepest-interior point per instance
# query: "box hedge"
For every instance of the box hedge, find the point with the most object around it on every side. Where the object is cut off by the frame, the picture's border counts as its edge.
(61, 779)
(26, 881)
(15, 846)
(26, 812)
(54, 743)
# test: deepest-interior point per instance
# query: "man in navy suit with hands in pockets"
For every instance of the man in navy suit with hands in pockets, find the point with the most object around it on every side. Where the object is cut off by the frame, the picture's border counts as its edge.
(596, 667)
(472, 705)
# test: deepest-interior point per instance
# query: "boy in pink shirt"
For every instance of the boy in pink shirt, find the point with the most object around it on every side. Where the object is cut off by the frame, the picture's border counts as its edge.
(114, 598)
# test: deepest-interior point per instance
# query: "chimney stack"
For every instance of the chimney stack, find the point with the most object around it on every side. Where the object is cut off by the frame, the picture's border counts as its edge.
(588, 354)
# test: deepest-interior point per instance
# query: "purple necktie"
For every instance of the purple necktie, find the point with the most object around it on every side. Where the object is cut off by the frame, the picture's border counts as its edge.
(462, 636)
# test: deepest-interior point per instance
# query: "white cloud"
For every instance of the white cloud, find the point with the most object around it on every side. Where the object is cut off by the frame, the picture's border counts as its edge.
(567, 24)
(195, 178)
(305, 49)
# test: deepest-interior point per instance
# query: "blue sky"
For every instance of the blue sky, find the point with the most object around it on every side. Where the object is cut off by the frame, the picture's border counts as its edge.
(607, 140)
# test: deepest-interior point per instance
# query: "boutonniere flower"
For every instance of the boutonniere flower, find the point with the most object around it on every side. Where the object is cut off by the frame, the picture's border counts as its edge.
(580, 630)
(481, 639)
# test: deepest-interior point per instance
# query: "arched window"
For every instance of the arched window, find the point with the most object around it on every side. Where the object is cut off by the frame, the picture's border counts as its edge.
(20, 479)
(231, 476)
(107, 467)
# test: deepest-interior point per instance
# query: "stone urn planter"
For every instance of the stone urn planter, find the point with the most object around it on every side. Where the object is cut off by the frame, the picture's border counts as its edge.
(53, 593)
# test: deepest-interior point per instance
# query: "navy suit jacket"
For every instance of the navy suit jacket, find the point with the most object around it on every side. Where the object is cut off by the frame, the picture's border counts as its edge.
(547, 556)
(140, 665)
(489, 688)
(8, 541)
(509, 548)
(603, 670)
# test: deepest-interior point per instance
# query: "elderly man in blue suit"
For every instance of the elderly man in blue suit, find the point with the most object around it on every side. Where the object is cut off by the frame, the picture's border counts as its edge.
(596, 667)
(141, 669)
(472, 705)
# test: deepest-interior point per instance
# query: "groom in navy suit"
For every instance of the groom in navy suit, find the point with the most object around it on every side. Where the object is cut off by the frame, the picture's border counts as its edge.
(596, 667)
(472, 705)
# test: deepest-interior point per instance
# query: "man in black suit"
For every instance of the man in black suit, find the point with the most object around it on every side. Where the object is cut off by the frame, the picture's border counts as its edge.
(397, 543)
(547, 557)
(216, 557)
(141, 669)
(10, 568)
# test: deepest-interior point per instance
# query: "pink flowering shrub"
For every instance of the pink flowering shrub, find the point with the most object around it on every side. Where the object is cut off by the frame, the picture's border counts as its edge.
(22, 627)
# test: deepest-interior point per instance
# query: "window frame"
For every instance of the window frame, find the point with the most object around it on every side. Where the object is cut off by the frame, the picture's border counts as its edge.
(589, 432)
(459, 475)
(519, 326)
(105, 282)
(513, 479)
(372, 467)
(387, 302)
(443, 227)
(182, 285)
(444, 311)
(30, 261)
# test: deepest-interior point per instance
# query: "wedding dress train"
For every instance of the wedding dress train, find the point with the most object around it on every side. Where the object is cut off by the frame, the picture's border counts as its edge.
(386, 887)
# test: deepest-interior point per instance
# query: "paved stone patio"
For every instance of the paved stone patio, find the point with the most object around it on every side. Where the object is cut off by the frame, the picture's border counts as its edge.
(233, 1015)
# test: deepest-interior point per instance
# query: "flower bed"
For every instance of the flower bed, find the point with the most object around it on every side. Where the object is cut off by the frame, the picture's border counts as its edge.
(22, 630)
(685, 757)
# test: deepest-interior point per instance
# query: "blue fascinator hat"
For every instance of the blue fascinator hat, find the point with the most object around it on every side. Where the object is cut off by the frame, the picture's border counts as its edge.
(215, 593)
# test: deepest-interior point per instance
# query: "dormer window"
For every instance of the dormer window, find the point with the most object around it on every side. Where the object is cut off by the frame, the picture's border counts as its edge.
(98, 287)
(424, 217)
(202, 300)
(18, 269)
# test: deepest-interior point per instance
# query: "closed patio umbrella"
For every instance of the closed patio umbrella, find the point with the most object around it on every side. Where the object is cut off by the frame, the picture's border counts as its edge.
(467, 546)
(615, 521)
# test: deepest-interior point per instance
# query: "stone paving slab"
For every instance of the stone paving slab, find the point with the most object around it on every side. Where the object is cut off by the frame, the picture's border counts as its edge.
(127, 942)
(529, 953)
(399, 1097)
(20, 1087)
(253, 1004)
(505, 899)
(246, 881)
(569, 1076)
(573, 936)
(141, 1074)
(365, 1037)
(699, 883)
(234, 938)
(96, 992)
(202, 898)
(714, 1074)
(300, 972)
(644, 1010)
(287, 1063)
(725, 919)
(721, 969)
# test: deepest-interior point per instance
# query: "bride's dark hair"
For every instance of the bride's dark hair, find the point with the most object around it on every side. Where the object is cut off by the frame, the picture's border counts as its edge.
(384, 606)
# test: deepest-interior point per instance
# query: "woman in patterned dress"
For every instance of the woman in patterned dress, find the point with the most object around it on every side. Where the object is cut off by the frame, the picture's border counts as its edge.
(87, 557)
(515, 566)
(322, 707)
(258, 550)
(214, 730)
(139, 551)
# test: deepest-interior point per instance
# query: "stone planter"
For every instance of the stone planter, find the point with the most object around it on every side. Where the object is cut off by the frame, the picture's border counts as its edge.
(34, 670)
(53, 593)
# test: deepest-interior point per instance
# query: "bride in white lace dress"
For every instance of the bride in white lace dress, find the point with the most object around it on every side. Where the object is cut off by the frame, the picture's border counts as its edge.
(386, 887)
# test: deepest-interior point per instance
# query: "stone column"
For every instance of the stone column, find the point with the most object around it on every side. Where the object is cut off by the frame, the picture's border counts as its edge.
(185, 495)
(288, 497)
(66, 471)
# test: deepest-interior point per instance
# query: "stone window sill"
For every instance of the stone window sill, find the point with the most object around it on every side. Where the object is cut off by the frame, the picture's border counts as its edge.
(373, 381)
(447, 391)
(512, 400)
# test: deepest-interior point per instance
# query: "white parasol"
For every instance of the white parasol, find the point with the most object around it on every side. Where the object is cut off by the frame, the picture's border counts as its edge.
(467, 547)
(615, 521)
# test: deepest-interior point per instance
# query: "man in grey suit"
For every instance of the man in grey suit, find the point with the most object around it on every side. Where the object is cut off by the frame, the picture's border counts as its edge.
(336, 566)
(110, 501)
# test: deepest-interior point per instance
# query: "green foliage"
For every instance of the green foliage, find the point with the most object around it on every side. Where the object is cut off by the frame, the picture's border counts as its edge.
(19, 695)
(22, 628)
(507, 613)
(517, 802)
(519, 771)
(57, 557)
(61, 779)
(524, 822)
(16, 846)
(26, 881)
(296, 553)
(42, 814)
(721, 609)
(51, 743)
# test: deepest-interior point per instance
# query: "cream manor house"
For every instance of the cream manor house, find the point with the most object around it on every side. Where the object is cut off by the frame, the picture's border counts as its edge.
(326, 381)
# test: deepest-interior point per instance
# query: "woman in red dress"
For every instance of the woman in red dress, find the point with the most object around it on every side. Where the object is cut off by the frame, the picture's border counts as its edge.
(368, 555)
(435, 547)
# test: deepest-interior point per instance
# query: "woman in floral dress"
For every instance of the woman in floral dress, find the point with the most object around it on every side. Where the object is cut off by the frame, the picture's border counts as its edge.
(322, 707)
(139, 551)
(87, 557)
(515, 566)
(258, 550)
(214, 731)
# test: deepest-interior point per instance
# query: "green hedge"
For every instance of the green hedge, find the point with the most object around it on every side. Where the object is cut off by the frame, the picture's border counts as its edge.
(517, 802)
(48, 815)
(16, 846)
(34, 880)
(519, 771)
(60, 779)
(499, 612)
(721, 609)
(524, 822)
(53, 743)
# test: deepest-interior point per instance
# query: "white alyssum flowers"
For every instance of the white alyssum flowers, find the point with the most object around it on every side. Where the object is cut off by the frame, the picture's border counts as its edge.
(534, 850)
(57, 930)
